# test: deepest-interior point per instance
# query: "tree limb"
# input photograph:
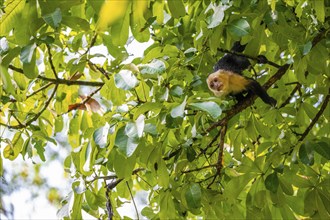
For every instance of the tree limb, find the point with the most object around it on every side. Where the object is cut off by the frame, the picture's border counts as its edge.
(21, 125)
(50, 59)
(61, 81)
(316, 118)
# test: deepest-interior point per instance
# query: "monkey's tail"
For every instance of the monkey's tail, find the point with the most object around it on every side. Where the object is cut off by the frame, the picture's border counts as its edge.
(261, 92)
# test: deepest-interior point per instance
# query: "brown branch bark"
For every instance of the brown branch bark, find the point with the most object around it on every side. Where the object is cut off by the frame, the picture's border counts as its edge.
(219, 163)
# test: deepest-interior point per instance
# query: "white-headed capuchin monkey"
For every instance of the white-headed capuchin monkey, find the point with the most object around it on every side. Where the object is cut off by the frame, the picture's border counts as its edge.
(227, 78)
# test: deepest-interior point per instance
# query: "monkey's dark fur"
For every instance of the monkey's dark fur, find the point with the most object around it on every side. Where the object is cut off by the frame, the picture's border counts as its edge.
(227, 78)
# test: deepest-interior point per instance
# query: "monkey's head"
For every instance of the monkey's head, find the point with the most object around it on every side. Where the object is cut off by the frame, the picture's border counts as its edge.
(217, 83)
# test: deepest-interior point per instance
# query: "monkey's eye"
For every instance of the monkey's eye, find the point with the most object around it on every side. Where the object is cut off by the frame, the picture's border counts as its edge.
(215, 80)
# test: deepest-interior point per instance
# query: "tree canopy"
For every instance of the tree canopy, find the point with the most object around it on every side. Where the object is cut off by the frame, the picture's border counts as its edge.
(150, 123)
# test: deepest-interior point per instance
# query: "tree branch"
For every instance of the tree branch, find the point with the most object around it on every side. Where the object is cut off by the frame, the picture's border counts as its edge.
(219, 163)
(61, 81)
(135, 207)
(35, 92)
(84, 101)
(36, 115)
(111, 177)
(50, 59)
(199, 169)
(287, 101)
(316, 118)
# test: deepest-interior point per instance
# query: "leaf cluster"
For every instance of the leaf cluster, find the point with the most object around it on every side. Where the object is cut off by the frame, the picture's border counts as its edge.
(149, 123)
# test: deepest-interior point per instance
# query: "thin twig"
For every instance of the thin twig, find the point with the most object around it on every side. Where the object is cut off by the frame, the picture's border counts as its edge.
(287, 101)
(111, 177)
(84, 101)
(199, 169)
(50, 59)
(61, 81)
(36, 115)
(108, 204)
(92, 43)
(316, 118)
(35, 92)
(135, 207)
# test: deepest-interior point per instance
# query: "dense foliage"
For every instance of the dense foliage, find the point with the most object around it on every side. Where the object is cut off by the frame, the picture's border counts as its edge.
(150, 123)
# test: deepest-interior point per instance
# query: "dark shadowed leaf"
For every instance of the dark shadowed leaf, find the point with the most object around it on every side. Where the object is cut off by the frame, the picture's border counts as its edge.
(272, 182)
(306, 153)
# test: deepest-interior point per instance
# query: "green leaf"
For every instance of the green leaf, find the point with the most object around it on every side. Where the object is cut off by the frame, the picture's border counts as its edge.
(126, 144)
(177, 8)
(120, 30)
(140, 125)
(239, 28)
(12, 12)
(191, 153)
(100, 136)
(193, 196)
(156, 67)
(272, 182)
(75, 212)
(322, 148)
(14, 147)
(178, 111)
(6, 80)
(111, 92)
(27, 53)
(76, 23)
(306, 153)
(87, 158)
(152, 107)
(148, 212)
(91, 199)
(306, 48)
(28, 58)
(53, 19)
(40, 147)
(1, 166)
(319, 9)
(126, 80)
(218, 14)
(12, 53)
(211, 108)
(21, 81)
(123, 166)
(137, 21)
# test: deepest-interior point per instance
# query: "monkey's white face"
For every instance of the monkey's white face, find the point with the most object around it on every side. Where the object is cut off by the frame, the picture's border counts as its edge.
(216, 83)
